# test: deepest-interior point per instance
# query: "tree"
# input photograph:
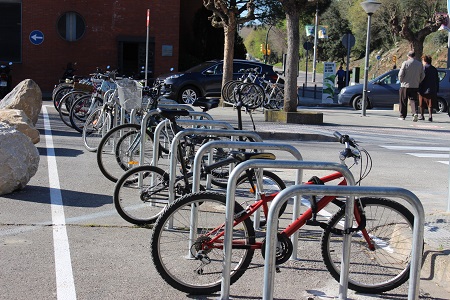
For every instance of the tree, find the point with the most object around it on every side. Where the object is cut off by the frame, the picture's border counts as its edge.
(337, 27)
(415, 19)
(295, 10)
(228, 14)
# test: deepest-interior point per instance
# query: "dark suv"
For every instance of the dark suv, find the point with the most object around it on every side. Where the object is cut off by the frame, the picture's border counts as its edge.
(205, 79)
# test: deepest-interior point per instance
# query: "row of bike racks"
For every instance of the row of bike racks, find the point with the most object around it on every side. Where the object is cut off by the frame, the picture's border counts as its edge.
(350, 191)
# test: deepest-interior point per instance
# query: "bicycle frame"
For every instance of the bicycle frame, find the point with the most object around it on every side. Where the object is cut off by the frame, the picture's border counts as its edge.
(217, 241)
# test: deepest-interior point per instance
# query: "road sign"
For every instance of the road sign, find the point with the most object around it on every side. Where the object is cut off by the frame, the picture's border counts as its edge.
(378, 57)
(308, 45)
(36, 37)
(348, 40)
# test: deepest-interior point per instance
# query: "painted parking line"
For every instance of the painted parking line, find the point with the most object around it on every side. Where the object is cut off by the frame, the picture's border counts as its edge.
(65, 286)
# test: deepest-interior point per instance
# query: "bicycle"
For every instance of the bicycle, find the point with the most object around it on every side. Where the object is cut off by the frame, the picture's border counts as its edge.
(187, 250)
(142, 193)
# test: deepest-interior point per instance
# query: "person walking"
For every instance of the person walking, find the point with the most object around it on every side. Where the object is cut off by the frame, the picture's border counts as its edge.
(340, 75)
(410, 75)
(428, 88)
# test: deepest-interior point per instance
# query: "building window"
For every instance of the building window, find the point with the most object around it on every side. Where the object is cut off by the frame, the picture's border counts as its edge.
(10, 31)
(71, 26)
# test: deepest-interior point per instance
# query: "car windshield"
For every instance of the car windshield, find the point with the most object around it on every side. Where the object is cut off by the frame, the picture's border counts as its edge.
(386, 78)
(200, 67)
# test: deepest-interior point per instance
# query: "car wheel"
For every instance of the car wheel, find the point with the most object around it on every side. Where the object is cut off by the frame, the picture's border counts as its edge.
(441, 105)
(188, 95)
(357, 103)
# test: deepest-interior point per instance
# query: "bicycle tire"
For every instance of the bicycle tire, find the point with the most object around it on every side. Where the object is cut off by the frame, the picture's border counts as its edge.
(251, 95)
(59, 92)
(227, 91)
(66, 103)
(97, 124)
(170, 246)
(107, 156)
(141, 203)
(390, 226)
(80, 111)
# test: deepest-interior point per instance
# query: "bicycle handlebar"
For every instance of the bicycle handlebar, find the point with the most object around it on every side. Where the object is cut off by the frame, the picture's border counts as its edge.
(348, 142)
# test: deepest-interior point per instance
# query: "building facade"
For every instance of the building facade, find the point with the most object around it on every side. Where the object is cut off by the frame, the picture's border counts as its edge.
(42, 37)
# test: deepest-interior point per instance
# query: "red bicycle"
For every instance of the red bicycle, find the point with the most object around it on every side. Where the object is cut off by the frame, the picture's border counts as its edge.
(191, 260)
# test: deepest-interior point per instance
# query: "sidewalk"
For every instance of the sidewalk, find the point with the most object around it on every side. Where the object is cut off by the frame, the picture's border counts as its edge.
(436, 265)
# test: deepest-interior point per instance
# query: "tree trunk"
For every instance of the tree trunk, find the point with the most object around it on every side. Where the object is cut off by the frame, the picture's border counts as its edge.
(290, 84)
(417, 46)
(228, 52)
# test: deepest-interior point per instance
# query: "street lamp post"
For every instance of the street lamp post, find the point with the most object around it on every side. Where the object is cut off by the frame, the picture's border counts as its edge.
(316, 28)
(370, 7)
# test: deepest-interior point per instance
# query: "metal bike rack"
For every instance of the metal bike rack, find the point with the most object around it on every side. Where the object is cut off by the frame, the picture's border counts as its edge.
(203, 132)
(155, 112)
(161, 125)
(249, 145)
(282, 164)
(418, 230)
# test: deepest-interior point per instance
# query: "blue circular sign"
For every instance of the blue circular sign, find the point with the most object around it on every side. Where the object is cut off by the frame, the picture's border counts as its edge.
(378, 57)
(36, 37)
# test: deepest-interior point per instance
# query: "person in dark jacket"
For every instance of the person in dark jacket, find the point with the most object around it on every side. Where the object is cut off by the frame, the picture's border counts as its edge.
(428, 88)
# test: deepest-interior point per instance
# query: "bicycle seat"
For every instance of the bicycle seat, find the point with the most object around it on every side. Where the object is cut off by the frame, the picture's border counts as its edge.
(206, 104)
(172, 113)
(243, 156)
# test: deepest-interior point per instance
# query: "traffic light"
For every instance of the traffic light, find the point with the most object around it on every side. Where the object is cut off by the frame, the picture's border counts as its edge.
(394, 59)
(262, 48)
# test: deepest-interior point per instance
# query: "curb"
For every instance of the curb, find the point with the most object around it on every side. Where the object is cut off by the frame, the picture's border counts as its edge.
(272, 135)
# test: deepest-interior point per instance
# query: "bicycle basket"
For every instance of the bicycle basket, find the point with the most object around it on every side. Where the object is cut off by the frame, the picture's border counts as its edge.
(130, 94)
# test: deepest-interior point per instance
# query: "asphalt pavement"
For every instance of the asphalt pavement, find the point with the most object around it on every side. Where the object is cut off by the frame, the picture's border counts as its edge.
(375, 125)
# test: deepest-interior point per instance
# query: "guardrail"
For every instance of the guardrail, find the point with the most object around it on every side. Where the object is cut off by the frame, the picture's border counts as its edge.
(283, 196)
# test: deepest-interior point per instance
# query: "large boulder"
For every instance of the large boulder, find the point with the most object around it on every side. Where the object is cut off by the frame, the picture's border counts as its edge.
(26, 96)
(18, 119)
(19, 159)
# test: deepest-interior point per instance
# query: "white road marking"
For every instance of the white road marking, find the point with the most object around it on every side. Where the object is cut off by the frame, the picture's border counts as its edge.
(65, 285)
(445, 152)
(432, 155)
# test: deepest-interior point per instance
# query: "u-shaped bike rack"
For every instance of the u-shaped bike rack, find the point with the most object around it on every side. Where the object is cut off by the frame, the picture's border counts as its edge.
(250, 145)
(204, 132)
(352, 191)
(194, 122)
(282, 164)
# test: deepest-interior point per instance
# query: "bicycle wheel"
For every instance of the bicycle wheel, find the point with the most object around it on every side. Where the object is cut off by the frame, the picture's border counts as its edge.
(66, 103)
(246, 189)
(251, 95)
(227, 91)
(81, 109)
(194, 264)
(389, 226)
(114, 161)
(141, 202)
(95, 127)
(59, 92)
(276, 100)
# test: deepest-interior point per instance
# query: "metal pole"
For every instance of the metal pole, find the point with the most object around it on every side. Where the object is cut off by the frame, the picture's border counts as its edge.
(146, 46)
(366, 68)
(347, 74)
(448, 51)
(316, 25)
(306, 67)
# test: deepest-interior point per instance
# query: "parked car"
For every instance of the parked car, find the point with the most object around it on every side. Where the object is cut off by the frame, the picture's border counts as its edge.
(205, 79)
(383, 91)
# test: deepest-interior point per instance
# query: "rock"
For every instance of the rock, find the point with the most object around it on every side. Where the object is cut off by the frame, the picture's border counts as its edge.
(26, 96)
(19, 159)
(18, 119)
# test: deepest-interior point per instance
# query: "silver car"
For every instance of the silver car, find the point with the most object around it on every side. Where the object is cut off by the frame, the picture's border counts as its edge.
(383, 91)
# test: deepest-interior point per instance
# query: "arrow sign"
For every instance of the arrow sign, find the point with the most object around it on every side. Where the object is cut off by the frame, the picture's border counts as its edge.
(36, 37)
